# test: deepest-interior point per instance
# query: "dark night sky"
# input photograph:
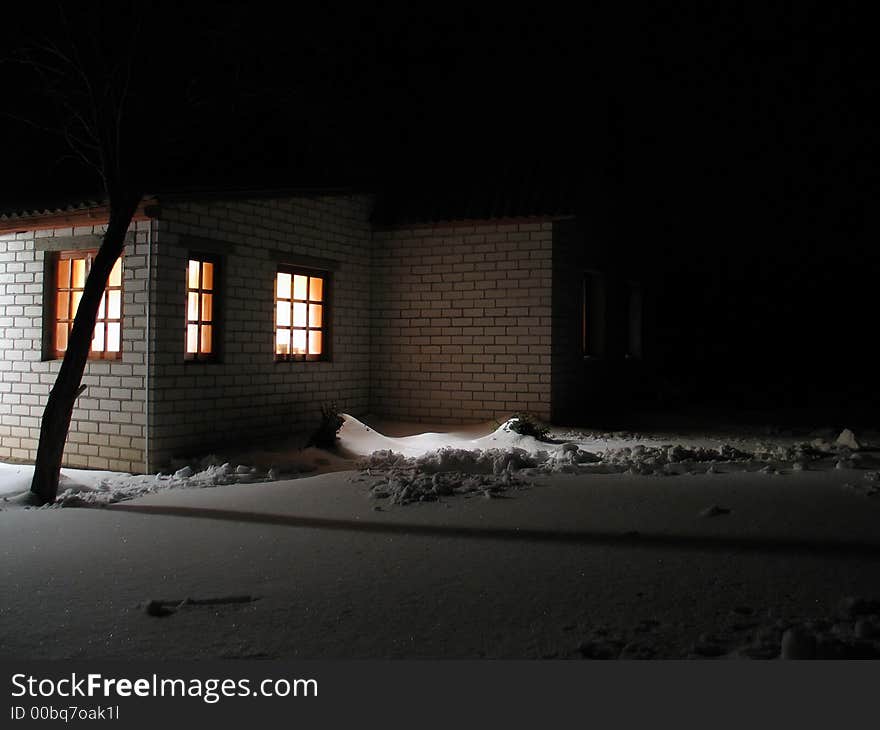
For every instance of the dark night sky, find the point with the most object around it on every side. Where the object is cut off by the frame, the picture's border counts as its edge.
(737, 147)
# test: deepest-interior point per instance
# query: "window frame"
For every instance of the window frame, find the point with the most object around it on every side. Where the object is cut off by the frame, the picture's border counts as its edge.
(326, 309)
(635, 320)
(216, 308)
(594, 304)
(51, 290)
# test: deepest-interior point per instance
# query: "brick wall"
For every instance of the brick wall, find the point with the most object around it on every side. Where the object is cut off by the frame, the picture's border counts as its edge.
(107, 428)
(247, 395)
(461, 319)
(444, 323)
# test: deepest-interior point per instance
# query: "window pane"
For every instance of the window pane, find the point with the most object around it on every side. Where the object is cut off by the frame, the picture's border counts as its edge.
(299, 315)
(101, 306)
(316, 289)
(207, 307)
(62, 305)
(206, 339)
(192, 306)
(74, 305)
(116, 274)
(283, 286)
(79, 273)
(299, 342)
(114, 306)
(207, 275)
(61, 336)
(282, 342)
(64, 274)
(192, 338)
(193, 276)
(98, 338)
(314, 342)
(315, 315)
(282, 314)
(299, 286)
(114, 340)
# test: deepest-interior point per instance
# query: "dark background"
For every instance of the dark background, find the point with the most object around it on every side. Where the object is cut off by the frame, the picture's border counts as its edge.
(732, 150)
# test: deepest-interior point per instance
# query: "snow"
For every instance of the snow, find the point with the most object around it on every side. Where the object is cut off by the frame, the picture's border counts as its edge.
(580, 565)
(84, 487)
(848, 440)
(588, 545)
(476, 461)
(428, 466)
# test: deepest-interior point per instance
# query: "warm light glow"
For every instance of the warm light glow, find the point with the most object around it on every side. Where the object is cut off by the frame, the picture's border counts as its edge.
(283, 286)
(315, 315)
(114, 337)
(316, 288)
(61, 336)
(64, 274)
(192, 307)
(114, 306)
(98, 339)
(193, 278)
(299, 342)
(79, 273)
(206, 338)
(62, 305)
(315, 342)
(299, 314)
(72, 269)
(207, 275)
(199, 308)
(116, 274)
(192, 338)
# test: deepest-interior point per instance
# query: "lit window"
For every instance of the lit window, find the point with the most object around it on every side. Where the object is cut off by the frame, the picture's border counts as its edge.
(72, 268)
(201, 309)
(300, 315)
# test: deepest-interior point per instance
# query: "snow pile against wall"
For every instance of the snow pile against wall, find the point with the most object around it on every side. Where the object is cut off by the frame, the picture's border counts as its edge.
(246, 396)
(428, 466)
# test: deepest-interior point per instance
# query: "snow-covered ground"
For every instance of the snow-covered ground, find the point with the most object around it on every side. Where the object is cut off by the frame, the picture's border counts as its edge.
(429, 465)
(622, 545)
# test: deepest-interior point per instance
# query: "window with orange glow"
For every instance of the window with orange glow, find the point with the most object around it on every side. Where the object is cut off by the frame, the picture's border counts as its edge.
(300, 315)
(201, 308)
(71, 270)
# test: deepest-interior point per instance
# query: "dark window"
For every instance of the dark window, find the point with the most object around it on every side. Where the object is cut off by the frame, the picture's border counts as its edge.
(593, 318)
(634, 321)
(71, 270)
(301, 302)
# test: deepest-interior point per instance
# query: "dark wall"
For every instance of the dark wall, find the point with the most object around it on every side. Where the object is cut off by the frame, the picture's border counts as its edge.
(603, 388)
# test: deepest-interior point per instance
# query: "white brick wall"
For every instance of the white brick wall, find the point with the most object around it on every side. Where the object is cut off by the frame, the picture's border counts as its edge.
(445, 323)
(107, 428)
(461, 321)
(247, 395)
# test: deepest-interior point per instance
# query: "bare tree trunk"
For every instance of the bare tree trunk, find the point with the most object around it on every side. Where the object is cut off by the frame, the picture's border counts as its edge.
(59, 407)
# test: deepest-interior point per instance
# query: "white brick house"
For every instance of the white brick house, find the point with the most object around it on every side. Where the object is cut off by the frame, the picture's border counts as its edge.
(235, 317)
